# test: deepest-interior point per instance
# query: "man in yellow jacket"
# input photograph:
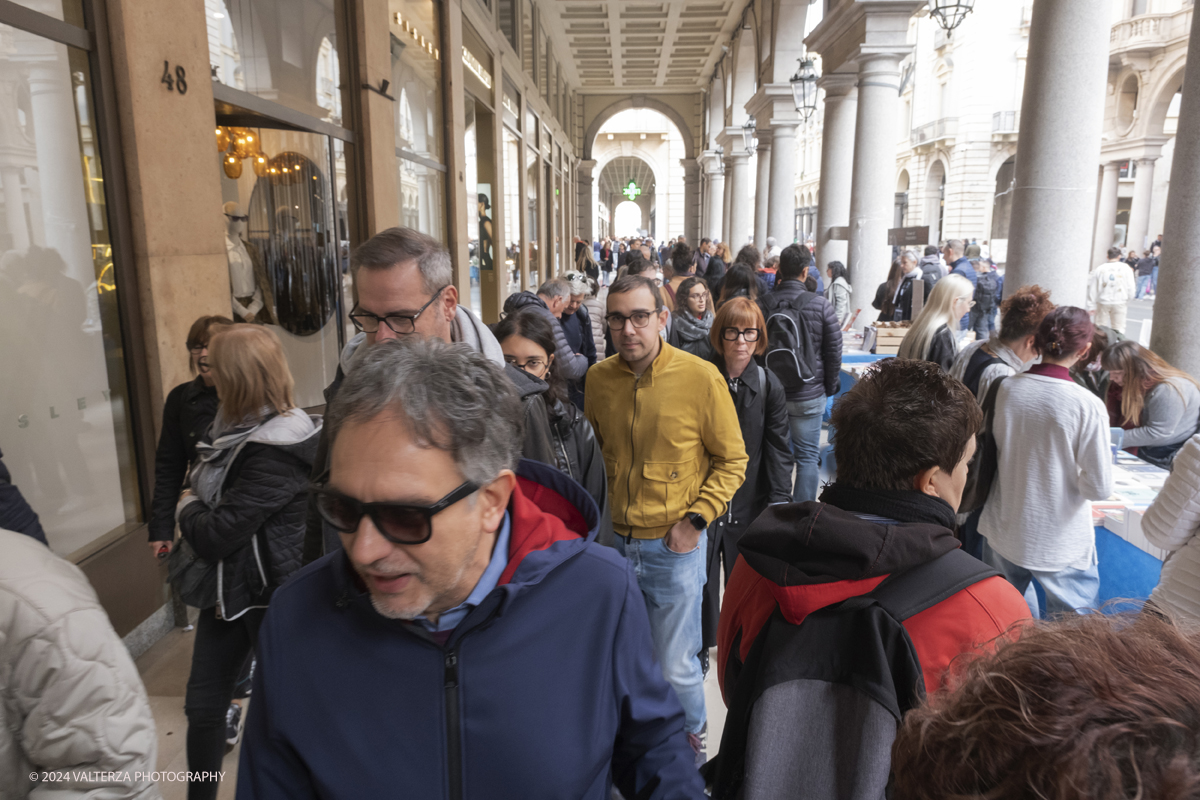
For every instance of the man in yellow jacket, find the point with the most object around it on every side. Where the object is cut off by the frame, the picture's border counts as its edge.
(674, 456)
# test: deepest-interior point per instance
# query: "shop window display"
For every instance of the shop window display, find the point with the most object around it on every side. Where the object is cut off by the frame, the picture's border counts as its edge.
(533, 210)
(66, 435)
(287, 244)
(512, 209)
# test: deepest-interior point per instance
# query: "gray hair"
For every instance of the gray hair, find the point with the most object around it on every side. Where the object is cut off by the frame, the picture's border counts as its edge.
(770, 241)
(555, 287)
(579, 283)
(956, 246)
(394, 246)
(454, 398)
(910, 255)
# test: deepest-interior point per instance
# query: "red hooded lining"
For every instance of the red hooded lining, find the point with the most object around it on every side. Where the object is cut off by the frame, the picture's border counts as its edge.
(540, 517)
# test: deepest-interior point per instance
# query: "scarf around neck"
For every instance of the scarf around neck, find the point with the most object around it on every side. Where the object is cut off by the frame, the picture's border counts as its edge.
(902, 506)
(213, 460)
(691, 329)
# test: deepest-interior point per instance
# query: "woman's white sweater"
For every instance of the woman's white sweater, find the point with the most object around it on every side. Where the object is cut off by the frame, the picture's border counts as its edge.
(1172, 522)
(1054, 457)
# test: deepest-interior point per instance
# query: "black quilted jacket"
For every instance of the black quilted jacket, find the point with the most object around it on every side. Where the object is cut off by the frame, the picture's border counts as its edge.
(264, 493)
(824, 332)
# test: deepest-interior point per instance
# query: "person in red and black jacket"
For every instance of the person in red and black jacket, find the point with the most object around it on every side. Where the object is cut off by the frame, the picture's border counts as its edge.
(905, 434)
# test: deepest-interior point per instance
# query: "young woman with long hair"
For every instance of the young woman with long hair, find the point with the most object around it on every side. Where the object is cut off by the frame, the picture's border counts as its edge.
(740, 281)
(887, 291)
(1054, 457)
(1158, 404)
(528, 344)
(692, 319)
(838, 290)
(244, 512)
(934, 333)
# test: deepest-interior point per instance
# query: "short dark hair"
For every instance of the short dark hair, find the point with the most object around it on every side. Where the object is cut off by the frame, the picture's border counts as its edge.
(931, 250)
(1114, 252)
(794, 259)
(631, 283)
(901, 418)
(749, 256)
(394, 246)
(527, 322)
(201, 331)
(1088, 707)
(681, 259)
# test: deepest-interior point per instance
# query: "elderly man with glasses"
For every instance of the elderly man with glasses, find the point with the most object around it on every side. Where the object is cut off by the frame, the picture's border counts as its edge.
(405, 288)
(674, 454)
(469, 639)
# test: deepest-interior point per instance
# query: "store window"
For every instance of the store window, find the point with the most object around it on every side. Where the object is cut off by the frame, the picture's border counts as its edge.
(417, 87)
(285, 51)
(479, 178)
(67, 10)
(533, 208)
(66, 432)
(512, 208)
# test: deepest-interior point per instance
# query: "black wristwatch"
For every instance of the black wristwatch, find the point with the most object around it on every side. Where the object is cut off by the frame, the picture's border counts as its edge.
(698, 522)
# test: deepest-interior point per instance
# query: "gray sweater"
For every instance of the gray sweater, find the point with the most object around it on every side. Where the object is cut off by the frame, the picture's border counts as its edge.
(1170, 416)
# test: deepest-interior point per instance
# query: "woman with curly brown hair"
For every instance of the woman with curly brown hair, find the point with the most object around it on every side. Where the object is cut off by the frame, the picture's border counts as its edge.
(1094, 707)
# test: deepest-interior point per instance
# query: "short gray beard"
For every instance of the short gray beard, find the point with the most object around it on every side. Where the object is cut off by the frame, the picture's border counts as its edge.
(384, 611)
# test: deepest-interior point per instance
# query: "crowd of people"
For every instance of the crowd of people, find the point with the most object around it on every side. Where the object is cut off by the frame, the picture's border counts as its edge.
(498, 563)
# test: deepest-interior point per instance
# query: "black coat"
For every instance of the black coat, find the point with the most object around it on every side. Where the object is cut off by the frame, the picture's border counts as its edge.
(714, 274)
(264, 492)
(763, 418)
(824, 332)
(904, 302)
(187, 415)
(15, 513)
(577, 453)
(941, 348)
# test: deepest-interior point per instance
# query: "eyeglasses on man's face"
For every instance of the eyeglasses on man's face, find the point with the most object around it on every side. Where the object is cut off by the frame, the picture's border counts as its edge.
(640, 319)
(401, 324)
(399, 523)
(732, 334)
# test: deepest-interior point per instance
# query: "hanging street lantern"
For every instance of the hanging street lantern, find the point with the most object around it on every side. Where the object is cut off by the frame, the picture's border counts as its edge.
(804, 88)
(950, 13)
(748, 135)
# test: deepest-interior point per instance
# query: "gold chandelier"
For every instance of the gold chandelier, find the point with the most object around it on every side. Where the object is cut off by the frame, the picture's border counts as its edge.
(239, 144)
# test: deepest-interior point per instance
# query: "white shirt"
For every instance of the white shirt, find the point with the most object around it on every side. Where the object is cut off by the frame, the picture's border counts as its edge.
(1054, 457)
(1111, 284)
(1010, 364)
(241, 277)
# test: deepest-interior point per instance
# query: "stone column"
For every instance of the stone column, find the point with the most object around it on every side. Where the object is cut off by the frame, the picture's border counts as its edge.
(725, 203)
(1054, 189)
(584, 181)
(762, 190)
(691, 200)
(739, 195)
(873, 185)
(14, 207)
(1139, 212)
(716, 195)
(837, 165)
(1175, 306)
(1106, 213)
(781, 220)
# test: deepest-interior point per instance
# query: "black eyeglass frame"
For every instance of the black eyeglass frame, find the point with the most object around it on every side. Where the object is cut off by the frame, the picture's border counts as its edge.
(412, 318)
(368, 509)
(743, 333)
(609, 318)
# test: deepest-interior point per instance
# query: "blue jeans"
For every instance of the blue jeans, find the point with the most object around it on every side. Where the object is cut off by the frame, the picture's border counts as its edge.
(1067, 590)
(1143, 285)
(1154, 280)
(804, 421)
(673, 585)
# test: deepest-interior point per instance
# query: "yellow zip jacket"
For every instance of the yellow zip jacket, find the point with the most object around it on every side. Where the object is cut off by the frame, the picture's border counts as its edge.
(671, 441)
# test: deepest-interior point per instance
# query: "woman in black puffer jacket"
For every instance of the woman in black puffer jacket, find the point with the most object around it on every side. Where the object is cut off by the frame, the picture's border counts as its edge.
(528, 344)
(188, 412)
(244, 511)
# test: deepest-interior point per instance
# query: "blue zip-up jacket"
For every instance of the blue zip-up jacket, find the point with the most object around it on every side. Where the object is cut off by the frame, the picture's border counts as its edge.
(548, 689)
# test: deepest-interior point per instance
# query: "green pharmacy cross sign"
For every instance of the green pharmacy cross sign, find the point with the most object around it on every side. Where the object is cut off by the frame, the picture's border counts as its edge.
(631, 191)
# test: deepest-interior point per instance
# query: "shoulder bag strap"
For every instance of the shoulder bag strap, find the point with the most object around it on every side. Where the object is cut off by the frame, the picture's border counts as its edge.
(909, 593)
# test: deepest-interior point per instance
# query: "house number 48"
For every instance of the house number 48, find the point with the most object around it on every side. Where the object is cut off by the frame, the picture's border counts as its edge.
(176, 82)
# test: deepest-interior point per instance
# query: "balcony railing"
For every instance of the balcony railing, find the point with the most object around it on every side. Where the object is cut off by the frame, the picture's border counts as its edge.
(944, 128)
(1151, 31)
(1005, 122)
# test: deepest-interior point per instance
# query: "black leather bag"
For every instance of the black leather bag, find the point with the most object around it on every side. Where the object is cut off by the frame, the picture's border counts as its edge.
(194, 579)
(982, 470)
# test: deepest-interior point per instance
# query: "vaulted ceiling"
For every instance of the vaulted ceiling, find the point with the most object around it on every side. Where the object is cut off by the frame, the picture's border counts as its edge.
(620, 46)
(617, 174)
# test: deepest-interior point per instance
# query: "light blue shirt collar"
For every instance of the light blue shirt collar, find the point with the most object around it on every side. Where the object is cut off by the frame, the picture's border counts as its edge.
(490, 578)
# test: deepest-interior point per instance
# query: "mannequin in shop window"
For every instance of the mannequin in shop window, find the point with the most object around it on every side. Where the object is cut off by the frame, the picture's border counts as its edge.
(250, 290)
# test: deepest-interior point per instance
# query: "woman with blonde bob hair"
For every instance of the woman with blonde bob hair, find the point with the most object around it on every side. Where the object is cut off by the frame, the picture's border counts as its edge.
(934, 333)
(1158, 404)
(244, 513)
(739, 333)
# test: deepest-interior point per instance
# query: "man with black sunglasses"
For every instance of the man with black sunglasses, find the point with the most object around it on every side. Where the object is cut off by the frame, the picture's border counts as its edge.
(405, 288)
(469, 638)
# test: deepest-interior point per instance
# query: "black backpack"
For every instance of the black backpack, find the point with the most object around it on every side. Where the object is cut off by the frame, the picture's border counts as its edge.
(790, 349)
(987, 287)
(816, 706)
